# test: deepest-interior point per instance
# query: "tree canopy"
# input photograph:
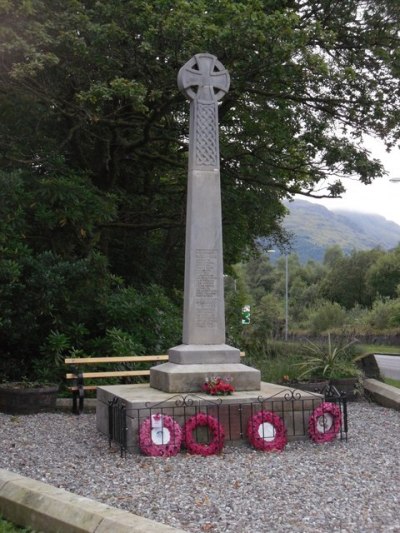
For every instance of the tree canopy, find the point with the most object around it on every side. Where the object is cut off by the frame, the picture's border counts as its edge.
(92, 119)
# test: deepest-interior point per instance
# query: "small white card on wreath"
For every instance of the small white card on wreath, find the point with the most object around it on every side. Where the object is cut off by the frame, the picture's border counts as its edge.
(156, 421)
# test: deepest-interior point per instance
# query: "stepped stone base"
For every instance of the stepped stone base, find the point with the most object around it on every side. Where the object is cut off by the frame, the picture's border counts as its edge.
(233, 412)
(203, 354)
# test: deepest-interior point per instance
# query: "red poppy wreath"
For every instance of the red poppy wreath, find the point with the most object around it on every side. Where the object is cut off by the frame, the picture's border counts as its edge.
(216, 430)
(160, 436)
(266, 431)
(324, 423)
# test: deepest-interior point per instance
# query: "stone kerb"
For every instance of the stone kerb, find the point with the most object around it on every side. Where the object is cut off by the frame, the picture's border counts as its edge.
(382, 393)
(46, 508)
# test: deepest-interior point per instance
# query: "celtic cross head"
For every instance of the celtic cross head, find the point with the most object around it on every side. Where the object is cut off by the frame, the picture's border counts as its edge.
(203, 78)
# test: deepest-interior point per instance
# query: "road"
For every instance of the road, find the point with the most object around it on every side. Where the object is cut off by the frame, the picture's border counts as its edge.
(389, 365)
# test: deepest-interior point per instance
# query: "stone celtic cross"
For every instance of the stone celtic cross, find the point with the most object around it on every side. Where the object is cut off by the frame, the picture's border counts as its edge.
(205, 73)
(204, 80)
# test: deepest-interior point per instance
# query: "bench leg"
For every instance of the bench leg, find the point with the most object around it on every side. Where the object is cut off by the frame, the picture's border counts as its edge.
(79, 393)
(77, 401)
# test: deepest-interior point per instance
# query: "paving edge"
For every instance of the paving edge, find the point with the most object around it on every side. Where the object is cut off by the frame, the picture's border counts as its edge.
(382, 393)
(48, 509)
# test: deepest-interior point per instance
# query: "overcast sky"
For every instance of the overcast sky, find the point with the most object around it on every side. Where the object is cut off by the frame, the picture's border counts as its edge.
(381, 197)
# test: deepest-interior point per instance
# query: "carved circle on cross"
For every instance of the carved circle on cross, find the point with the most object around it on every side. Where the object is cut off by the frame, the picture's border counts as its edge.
(203, 78)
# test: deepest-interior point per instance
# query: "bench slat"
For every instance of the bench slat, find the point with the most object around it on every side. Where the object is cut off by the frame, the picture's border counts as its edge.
(85, 387)
(117, 359)
(111, 374)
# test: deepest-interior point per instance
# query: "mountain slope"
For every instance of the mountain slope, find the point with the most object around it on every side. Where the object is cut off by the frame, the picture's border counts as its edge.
(315, 228)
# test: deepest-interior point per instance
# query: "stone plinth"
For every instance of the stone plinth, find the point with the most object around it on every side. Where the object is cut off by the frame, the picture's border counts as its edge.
(175, 378)
(233, 412)
(190, 364)
(203, 354)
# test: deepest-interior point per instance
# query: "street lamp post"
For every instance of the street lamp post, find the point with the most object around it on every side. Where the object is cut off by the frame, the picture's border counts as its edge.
(286, 293)
(286, 297)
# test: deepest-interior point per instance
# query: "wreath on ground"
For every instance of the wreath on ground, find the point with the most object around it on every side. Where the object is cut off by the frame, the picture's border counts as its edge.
(160, 436)
(324, 422)
(266, 431)
(217, 435)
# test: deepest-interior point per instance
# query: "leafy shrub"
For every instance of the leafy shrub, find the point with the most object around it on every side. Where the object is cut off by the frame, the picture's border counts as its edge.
(326, 360)
(53, 306)
(275, 359)
(385, 313)
(150, 317)
(326, 315)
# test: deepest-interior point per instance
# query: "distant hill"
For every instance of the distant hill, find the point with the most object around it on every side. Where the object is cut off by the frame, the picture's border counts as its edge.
(315, 228)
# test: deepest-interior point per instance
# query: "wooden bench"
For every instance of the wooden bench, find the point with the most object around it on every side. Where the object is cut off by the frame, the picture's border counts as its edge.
(77, 375)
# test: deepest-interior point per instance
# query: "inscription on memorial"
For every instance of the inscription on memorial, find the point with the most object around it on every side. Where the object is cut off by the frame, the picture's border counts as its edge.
(206, 288)
(206, 273)
(206, 316)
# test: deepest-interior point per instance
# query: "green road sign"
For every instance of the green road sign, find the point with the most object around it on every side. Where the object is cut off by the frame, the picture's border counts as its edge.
(246, 314)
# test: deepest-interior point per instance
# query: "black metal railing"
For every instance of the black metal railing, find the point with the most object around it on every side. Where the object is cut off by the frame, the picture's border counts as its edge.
(289, 404)
(117, 427)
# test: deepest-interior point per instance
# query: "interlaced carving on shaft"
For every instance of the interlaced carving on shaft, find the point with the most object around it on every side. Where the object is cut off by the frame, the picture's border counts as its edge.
(206, 135)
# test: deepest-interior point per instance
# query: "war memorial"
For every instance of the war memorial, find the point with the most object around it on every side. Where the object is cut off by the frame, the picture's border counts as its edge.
(175, 397)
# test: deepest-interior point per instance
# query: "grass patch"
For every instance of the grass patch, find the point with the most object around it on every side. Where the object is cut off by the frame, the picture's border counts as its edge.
(275, 360)
(378, 348)
(393, 382)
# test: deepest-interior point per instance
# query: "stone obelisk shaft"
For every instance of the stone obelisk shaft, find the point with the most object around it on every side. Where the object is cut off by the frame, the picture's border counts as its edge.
(203, 352)
(204, 315)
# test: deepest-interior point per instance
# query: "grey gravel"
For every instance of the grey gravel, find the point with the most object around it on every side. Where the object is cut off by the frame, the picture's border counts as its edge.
(351, 486)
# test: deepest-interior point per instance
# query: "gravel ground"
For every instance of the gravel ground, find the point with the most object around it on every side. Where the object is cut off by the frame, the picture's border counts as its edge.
(342, 486)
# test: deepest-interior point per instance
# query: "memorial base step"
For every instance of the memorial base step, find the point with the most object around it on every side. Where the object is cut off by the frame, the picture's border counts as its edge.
(179, 378)
(233, 412)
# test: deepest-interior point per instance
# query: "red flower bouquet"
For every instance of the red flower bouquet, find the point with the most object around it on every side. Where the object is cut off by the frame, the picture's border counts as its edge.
(217, 386)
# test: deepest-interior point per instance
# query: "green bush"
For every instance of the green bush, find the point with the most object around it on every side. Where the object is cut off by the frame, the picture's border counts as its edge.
(54, 306)
(327, 360)
(385, 314)
(326, 316)
(8, 527)
(48, 294)
(276, 360)
(149, 316)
